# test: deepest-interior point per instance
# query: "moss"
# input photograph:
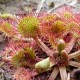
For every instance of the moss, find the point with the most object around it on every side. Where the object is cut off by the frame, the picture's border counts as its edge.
(20, 58)
(58, 26)
(28, 26)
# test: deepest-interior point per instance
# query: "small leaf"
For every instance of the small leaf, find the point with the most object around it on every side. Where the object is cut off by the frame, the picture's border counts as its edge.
(61, 45)
(58, 27)
(64, 57)
(49, 17)
(70, 25)
(6, 15)
(68, 15)
(42, 65)
(30, 53)
(28, 26)
(74, 28)
(19, 59)
(7, 28)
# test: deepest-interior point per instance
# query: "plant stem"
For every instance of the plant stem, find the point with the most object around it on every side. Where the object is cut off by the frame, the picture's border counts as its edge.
(63, 72)
(2, 63)
(75, 54)
(68, 76)
(70, 45)
(75, 64)
(43, 46)
(40, 6)
(54, 73)
(7, 59)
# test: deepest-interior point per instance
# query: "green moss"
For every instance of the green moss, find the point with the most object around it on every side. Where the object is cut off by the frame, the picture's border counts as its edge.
(28, 26)
(73, 27)
(58, 26)
(30, 53)
(6, 15)
(20, 58)
(68, 15)
(5, 27)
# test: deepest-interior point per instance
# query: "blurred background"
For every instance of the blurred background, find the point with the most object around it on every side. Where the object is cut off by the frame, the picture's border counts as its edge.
(17, 6)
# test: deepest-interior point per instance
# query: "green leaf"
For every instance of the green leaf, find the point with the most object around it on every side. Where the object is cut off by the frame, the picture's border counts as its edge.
(61, 45)
(19, 59)
(30, 53)
(58, 26)
(68, 15)
(5, 26)
(28, 26)
(43, 65)
(73, 28)
(6, 15)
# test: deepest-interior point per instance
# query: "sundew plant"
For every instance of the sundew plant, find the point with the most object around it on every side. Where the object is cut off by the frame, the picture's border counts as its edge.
(41, 44)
